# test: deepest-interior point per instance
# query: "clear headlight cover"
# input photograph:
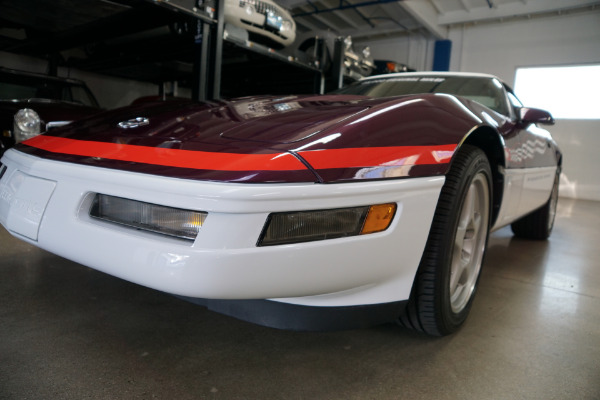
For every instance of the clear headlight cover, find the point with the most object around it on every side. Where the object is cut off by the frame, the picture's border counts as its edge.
(366, 51)
(286, 25)
(26, 124)
(176, 222)
(348, 42)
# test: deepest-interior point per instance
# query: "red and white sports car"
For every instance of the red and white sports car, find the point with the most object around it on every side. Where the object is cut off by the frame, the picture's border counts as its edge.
(372, 204)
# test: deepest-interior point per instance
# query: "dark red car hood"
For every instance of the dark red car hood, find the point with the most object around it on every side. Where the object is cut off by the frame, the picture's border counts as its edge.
(268, 139)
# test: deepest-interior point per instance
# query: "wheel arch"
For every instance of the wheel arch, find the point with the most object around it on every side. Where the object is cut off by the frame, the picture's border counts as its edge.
(491, 143)
(559, 158)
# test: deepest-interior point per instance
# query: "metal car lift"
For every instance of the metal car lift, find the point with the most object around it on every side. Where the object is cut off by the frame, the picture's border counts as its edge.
(209, 39)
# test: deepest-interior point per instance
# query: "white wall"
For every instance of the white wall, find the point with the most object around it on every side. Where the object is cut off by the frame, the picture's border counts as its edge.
(579, 141)
(499, 48)
(415, 50)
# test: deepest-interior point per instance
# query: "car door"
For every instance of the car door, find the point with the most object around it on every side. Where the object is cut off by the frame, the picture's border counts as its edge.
(539, 155)
(515, 165)
(530, 164)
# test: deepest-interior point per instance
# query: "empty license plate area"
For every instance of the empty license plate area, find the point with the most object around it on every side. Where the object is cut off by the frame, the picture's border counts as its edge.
(23, 200)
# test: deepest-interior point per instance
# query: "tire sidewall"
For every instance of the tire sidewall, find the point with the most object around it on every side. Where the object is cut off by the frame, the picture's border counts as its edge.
(477, 163)
(552, 204)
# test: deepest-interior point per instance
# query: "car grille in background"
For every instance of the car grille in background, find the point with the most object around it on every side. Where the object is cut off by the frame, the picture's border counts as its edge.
(260, 6)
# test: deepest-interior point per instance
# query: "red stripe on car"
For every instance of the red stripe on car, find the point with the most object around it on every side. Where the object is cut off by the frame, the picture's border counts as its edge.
(195, 159)
(168, 157)
(379, 156)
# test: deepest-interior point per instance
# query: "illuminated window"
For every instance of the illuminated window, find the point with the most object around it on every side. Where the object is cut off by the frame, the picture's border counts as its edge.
(567, 92)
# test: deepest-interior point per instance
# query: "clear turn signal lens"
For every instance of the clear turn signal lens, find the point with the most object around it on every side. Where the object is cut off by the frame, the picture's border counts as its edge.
(308, 226)
(176, 222)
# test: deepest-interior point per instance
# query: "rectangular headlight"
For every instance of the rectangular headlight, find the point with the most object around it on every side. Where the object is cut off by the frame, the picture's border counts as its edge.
(308, 226)
(175, 222)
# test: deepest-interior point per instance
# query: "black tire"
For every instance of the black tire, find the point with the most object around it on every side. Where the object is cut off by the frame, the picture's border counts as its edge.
(538, 224)
(434, 306)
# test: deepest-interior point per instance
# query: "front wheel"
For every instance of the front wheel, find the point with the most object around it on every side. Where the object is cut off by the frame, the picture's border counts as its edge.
(448, 274)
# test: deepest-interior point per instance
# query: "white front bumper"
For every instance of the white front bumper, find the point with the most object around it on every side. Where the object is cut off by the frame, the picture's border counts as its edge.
(51, 211)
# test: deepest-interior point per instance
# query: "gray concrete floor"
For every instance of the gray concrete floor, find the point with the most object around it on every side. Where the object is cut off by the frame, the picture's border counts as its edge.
(69, 332)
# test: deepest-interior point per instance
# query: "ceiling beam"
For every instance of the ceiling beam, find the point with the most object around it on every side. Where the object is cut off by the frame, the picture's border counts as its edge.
(387, 30)
(307, 24)
(426, 14)
(465, 5)
(346, 19)
(305, 16)
(514, 9)
(438, 6)
(342, 6)
(342, 14)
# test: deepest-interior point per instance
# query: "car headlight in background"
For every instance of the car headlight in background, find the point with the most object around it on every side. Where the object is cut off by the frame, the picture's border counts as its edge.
(276, 21)
(308, 226)
(286, 25)
(169, 221)
(348, 43)
(366, 52)
(26, 124)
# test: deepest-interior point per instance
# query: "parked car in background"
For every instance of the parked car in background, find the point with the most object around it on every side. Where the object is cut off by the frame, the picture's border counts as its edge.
(390, 67)
(33, 103)
(367, 205)
(266, 22)
(159, 99)
(357, 64)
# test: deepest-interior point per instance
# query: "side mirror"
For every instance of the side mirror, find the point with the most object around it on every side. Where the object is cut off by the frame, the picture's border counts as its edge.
(535, 115)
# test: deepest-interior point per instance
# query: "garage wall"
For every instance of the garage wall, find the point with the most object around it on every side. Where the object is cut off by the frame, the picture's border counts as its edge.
(499, 48)
(110, 92)
(415, 50)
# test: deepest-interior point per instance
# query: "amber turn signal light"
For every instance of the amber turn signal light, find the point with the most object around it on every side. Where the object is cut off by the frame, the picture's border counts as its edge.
(378, 218)
(313, 225)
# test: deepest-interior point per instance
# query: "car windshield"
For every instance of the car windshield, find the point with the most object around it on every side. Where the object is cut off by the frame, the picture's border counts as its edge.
(486, 91)
(22, 87)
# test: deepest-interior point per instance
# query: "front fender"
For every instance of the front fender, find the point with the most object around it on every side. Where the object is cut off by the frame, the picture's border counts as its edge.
(411, 136)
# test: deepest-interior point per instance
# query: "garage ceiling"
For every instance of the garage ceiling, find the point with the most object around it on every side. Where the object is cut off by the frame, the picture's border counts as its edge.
(367, 20)
(71, 22)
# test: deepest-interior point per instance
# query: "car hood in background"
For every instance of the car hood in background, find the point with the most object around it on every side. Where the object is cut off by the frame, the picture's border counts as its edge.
(48, 110)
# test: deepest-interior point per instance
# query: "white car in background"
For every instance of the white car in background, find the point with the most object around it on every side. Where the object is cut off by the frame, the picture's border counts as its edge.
(266, 22)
